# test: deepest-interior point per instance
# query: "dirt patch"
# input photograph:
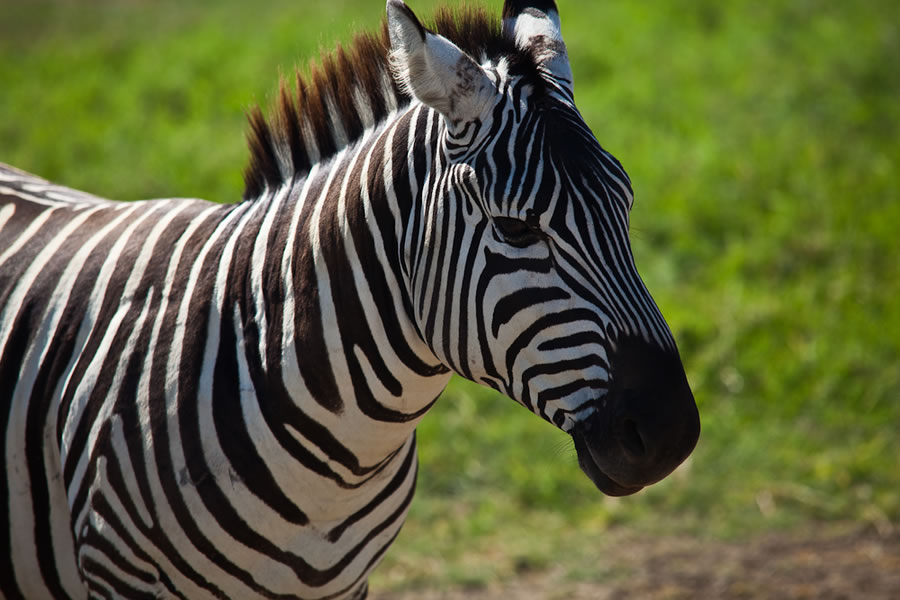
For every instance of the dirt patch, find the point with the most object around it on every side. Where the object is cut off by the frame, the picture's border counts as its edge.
(821, 566)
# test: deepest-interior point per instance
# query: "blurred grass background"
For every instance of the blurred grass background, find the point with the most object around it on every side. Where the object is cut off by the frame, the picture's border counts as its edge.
(763, 139)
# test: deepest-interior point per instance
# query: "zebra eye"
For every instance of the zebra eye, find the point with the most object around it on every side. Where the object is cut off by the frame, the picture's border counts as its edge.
(516, 232)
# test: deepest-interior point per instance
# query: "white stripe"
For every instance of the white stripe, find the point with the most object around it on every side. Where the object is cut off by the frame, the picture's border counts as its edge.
(326, 299)
(226, 582)
(52, 191)
(167, 521)
(411, 337)
(132, 491)
(22, 528)
(363, 108)
(309, 142)
(423, 280)
(58, 308)
(387, 92)
(6, 214)
(293, 380)
(110, 533)
(336, 121)
(89, 381)
(24, 237)
(258, 261)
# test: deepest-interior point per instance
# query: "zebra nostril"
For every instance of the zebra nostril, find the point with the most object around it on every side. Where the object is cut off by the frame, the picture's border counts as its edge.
(631, 439)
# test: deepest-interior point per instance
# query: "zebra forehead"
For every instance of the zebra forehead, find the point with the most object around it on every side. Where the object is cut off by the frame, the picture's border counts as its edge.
(552, 154)
(351, 89)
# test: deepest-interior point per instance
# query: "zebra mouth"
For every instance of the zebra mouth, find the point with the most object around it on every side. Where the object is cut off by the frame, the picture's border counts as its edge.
(604, 482)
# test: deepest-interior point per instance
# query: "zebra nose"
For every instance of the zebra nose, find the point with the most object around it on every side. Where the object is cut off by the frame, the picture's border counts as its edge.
(654, 421)
(656, 432)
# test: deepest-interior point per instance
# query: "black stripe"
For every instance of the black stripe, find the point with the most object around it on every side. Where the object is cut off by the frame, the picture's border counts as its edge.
(509, 306)
(13, 353)
(243, 459)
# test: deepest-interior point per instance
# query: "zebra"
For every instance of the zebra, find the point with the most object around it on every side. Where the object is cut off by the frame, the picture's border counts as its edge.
(207, 400)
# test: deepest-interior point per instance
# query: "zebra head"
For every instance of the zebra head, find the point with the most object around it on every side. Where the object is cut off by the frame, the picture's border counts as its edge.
(521, 273)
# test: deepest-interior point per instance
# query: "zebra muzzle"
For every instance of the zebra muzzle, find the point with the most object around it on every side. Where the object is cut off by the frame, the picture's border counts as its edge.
(647, 426)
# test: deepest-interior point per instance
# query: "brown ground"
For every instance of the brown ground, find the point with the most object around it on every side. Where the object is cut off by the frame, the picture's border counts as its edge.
(821, 566)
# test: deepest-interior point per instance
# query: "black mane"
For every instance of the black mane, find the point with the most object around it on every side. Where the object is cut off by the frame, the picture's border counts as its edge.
(321, 115)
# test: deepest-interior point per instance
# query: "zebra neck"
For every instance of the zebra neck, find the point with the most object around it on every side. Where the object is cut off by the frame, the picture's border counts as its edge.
(330, 299)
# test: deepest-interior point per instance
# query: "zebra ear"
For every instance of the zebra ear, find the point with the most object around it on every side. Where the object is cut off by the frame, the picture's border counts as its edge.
(535, 28)
(435, 70)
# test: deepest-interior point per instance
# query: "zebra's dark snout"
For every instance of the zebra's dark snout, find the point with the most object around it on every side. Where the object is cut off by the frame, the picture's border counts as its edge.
(649, 423)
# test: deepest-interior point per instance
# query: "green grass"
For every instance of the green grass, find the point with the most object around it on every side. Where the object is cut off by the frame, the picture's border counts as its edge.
(762, 139)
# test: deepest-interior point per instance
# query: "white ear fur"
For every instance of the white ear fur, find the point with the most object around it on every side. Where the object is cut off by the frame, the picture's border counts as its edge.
(540, 33)
(435, 70)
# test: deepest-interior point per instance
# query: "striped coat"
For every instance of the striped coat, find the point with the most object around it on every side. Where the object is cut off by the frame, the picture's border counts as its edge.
(219, 401)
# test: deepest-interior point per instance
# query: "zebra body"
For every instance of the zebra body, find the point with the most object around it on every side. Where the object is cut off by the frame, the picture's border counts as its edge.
(125, 284)
(219, 401)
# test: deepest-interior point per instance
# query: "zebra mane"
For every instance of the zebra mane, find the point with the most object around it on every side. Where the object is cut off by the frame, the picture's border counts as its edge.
(350, 90)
